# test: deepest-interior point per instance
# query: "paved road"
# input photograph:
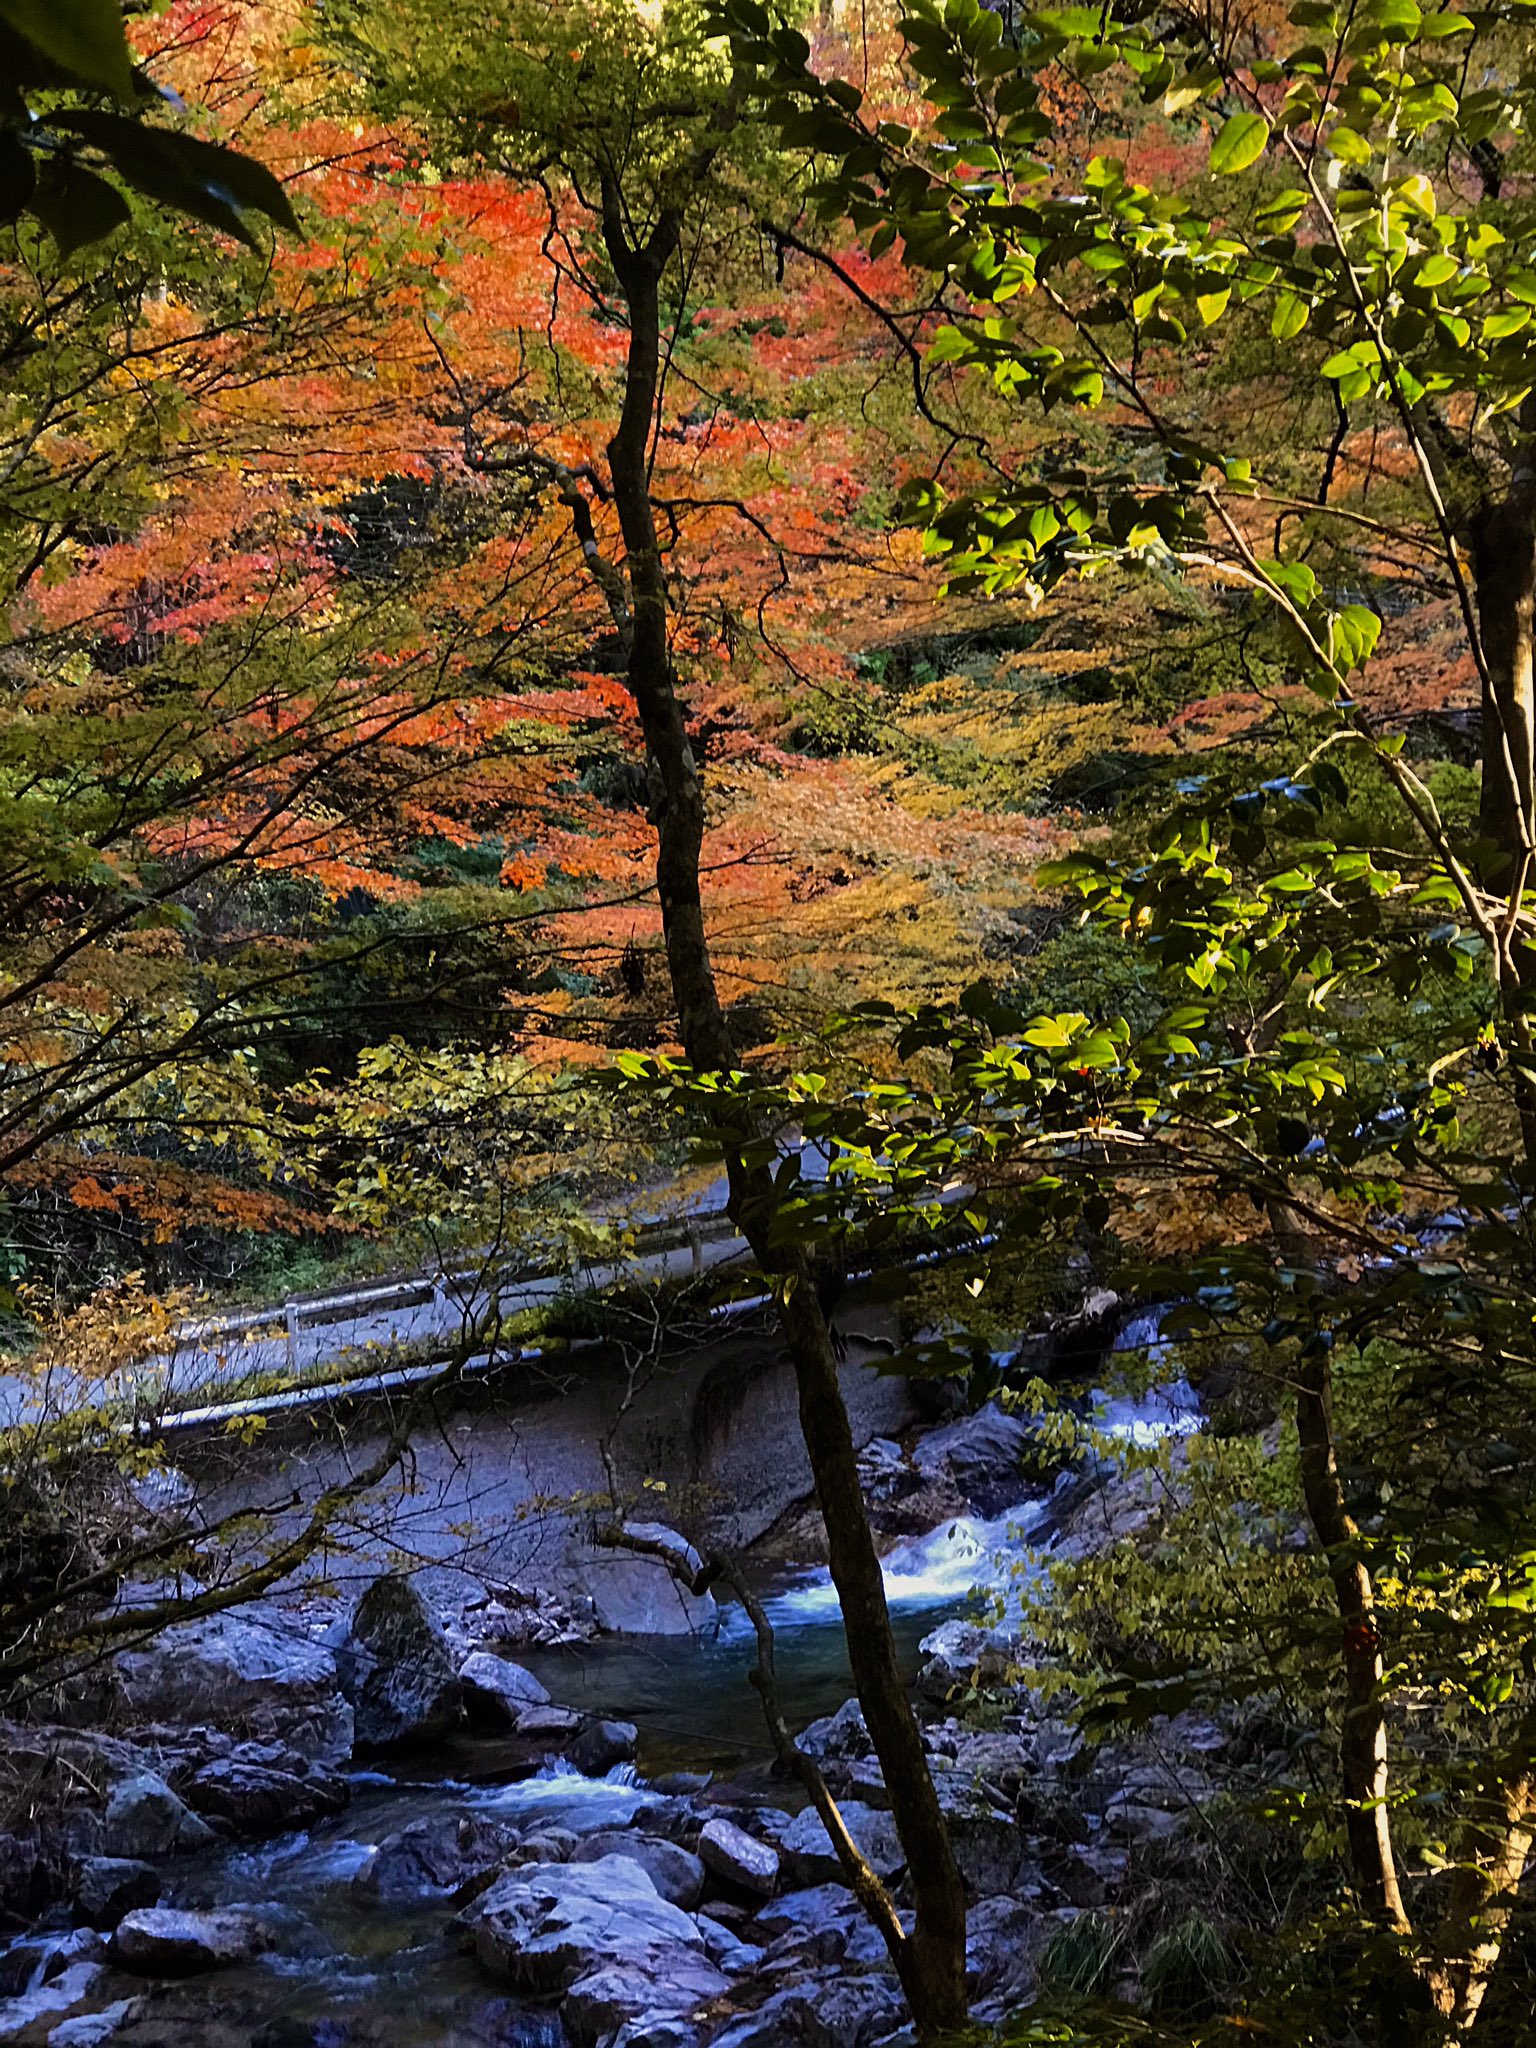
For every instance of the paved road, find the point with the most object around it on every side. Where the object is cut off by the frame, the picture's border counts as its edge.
(297, 1350)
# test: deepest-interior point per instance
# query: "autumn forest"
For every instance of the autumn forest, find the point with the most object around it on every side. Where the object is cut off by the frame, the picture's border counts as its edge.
(767, 1024)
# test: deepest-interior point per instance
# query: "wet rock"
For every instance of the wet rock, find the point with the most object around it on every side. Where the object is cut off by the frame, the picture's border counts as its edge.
(497, 1692)
(166, 1941)
(145, 1818)
(807, 1854)
(397, 1669)
(602, 1744)
(982, 1454)
(840, 1735)
(32, 2014)
(848, 2012)
(40, 1958)
(544, 1926)
(244, 1675)
(260, 1797)
(641, 1995)
(677, 1875)
(548, 1845)
(660, 2030)
(435, 1858)
(107, 1887)
(92, 2029)
(736, 1858)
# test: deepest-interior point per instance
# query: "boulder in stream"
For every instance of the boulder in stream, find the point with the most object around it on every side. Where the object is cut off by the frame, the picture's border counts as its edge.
(982, 1454)
(167, 1941)
(497, 1692)
(397, 1669)
(438, 1857)
(245, 1675)
(602, 1744)
(262, 1790)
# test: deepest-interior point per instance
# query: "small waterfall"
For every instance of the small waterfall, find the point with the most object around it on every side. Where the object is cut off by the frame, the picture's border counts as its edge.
(1142, 1330)
(1169, 1410)
(558, 1787)
(922, 1573)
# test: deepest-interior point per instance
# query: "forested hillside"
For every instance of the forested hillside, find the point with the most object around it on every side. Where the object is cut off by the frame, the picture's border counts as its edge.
(767, 806)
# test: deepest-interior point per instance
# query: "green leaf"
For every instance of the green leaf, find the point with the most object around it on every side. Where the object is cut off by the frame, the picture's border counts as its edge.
(204, 179)
(1242, 141)
(1290, 315)
(76, 206)
(1211, 305)
(83, 37)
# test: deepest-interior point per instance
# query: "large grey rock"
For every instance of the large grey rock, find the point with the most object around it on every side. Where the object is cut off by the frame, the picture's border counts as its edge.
(737, 1858)
(435, 1858)
(261, 1791)
(397, 1669)
(164, 1941)
(633, 1995)
(677, 1874)
(982, 1453)
(245, 1676)
(602, 1744)
(637, 1595)
(544, 1925)
(145, 1818)
(807, 1854)
(846, 2012)
(107, 1887)
(498, 1692)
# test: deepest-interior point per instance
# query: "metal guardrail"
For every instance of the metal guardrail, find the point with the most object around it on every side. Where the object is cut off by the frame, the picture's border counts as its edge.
(297, 1312)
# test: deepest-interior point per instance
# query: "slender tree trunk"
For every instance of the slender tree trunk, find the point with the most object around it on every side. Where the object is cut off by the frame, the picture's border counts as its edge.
(1363, 1758)
(931, 1962)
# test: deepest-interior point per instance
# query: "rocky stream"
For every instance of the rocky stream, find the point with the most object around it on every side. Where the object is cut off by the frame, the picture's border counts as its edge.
(456, 1813)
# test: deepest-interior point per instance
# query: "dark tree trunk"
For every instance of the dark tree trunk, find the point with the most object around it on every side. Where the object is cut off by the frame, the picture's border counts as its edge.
(931, 1962)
